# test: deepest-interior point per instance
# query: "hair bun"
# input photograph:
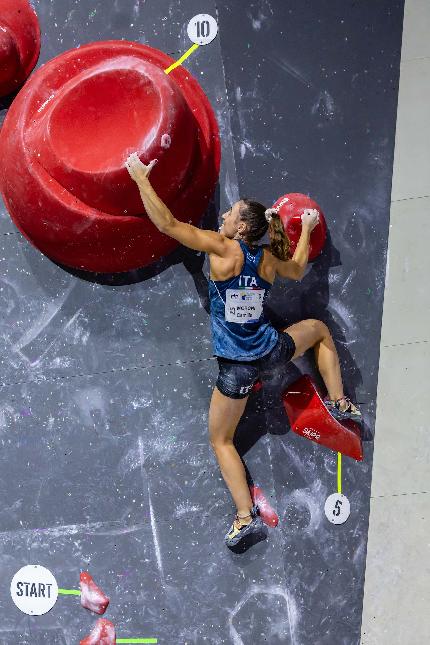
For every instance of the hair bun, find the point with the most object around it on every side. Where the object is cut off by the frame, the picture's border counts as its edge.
(269, 213)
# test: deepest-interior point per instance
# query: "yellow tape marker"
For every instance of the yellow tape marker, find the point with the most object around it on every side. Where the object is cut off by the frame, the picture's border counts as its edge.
(183, 57)
(339, 473)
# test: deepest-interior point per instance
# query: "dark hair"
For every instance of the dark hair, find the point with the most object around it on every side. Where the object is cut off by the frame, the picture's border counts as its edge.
(254, 215)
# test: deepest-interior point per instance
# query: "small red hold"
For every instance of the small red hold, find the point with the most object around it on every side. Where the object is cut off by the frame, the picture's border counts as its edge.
(92, 597)
(267, 513)
(290, 208)
(257, 386)
(103, 633)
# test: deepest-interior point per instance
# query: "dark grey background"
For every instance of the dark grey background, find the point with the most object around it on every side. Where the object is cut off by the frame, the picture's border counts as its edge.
(105, 463)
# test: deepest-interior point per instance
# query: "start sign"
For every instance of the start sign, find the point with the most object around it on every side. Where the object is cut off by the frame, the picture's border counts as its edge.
(34, 590)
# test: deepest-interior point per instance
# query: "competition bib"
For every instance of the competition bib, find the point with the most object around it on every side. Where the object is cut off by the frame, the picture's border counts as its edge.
(243, 305)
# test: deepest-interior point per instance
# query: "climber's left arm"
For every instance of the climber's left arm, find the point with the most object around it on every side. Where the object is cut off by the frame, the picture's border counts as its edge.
(187, 234)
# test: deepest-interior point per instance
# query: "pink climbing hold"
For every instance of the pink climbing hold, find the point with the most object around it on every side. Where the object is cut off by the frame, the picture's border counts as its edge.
(267, 512)
(103, 633)
(92, 597)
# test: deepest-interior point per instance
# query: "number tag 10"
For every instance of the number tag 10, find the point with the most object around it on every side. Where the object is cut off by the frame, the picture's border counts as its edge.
(202, 29)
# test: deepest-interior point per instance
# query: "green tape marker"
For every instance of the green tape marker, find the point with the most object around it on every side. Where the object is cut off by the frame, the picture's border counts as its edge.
(69, 592)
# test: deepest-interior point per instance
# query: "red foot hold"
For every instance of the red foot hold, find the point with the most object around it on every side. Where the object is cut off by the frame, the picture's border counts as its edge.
(257, 386)
(290, 208)
(68, 134)
(19, 43)
(92, 597)
(310, 418)
(103, 633)
(267, 513)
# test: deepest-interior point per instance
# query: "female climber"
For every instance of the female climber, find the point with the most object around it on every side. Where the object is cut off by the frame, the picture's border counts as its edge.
(246, 345)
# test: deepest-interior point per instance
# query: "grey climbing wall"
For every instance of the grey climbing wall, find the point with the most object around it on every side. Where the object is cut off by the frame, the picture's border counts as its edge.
(313, 103)
(104, 459)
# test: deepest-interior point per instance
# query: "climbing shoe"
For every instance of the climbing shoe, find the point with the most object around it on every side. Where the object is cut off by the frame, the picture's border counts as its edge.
(239, 530)
(349, 412)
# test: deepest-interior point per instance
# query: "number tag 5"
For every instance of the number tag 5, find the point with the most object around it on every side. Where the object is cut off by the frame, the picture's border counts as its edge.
(337, 508)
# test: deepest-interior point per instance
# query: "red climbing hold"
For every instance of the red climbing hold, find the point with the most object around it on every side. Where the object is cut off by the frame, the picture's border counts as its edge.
(19, 43)
(310, 418)
(92, 597)
(103, 633)
(257, 386)
(290, 208)
(68, 134)
(267, 513)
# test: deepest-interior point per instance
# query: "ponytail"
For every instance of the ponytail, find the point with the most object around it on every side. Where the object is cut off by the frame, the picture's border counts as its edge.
(279, 241)
(258, 219)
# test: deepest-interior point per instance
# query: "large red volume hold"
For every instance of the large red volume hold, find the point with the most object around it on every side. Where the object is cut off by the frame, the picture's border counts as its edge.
(68, 134)
(92, 597)
(103, 633)
(19, 43)
(310, 418)
(290, 208)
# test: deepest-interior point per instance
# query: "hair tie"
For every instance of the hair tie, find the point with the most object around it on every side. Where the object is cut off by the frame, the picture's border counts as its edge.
(269, 213)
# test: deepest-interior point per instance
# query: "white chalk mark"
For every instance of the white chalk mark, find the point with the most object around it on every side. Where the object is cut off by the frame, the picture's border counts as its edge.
(342, 312)
(287, 67)
(166, 141)
(231, 188)
(270, 591)
(152, 516)
(308, 499)
(90, 399)
(54, 532)
(324, 105)
(43, 321)
(347, 281)
(46, 102)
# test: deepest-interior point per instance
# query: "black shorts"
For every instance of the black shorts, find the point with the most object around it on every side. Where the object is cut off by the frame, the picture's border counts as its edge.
(236, 378)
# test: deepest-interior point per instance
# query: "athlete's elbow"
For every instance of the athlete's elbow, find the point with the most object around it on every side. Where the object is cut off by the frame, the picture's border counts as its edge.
(167, 227)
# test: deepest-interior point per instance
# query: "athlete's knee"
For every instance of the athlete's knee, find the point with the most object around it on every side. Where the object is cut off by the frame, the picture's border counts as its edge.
(218, 440)
(319, 328)
(219, 434)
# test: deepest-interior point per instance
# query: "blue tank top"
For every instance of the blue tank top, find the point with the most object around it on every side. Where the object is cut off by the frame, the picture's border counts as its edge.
(240, 329)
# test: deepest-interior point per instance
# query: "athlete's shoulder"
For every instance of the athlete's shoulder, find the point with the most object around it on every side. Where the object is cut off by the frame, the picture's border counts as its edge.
(268, 253)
